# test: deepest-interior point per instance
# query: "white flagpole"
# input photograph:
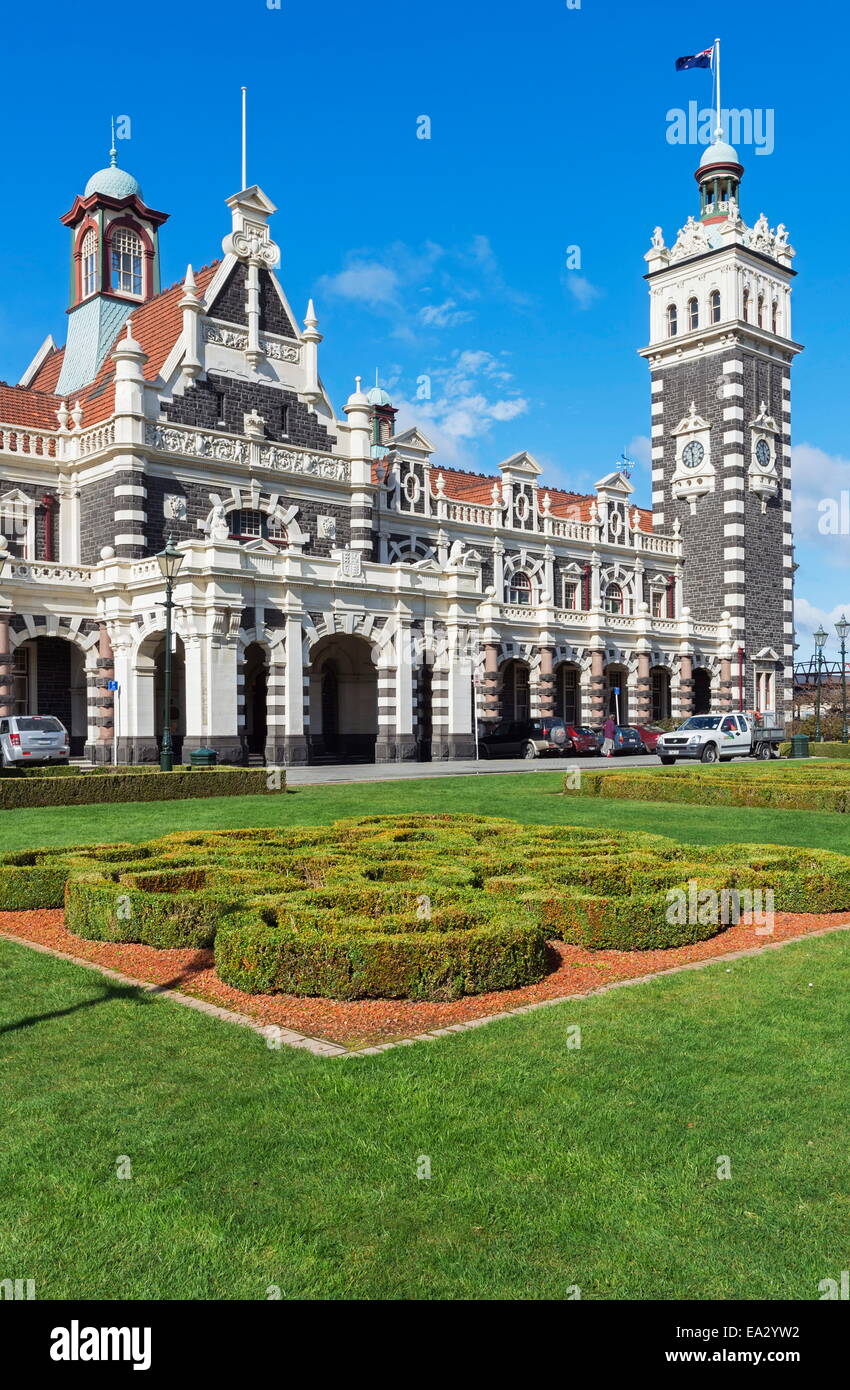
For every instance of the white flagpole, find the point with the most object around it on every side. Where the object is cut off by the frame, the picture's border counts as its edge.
(717, 52)
(244, 150)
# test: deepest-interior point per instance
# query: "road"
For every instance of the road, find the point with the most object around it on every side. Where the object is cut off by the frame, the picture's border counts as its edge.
(394, 772)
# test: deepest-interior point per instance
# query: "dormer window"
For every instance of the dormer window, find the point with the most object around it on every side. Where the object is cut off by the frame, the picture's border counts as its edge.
(127, 262)
(88, 260)
(714, 304)
(672, 321)
(253, 526)
(693, 313)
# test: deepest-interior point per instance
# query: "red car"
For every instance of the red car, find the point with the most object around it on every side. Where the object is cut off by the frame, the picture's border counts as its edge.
(581, 740)
(649, 736)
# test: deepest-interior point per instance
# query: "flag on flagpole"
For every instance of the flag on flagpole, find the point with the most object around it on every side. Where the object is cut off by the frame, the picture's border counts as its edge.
(695, 60)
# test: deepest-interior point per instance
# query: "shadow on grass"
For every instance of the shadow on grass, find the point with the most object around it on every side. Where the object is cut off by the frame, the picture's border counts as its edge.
(108, 995)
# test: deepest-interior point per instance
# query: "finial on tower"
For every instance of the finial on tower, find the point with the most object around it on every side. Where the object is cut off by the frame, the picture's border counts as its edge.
(113, 153)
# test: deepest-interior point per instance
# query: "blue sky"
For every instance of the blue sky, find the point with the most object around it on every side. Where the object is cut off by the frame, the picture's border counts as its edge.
(445, 258)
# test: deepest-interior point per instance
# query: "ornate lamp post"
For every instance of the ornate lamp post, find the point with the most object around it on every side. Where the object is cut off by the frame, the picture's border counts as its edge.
(842, 627)
(820, 637)
(170, 559)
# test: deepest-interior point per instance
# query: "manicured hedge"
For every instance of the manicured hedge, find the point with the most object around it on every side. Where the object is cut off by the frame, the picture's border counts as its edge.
(801, 786)
(94, 788)
(415, 907)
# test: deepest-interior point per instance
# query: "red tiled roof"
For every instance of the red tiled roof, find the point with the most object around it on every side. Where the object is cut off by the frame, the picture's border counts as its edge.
(47, 375)
(35, 410)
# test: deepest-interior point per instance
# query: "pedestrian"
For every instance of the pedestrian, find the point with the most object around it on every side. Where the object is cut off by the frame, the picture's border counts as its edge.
(609, 728)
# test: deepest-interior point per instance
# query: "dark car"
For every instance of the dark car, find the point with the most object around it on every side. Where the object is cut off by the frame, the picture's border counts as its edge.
(524, 738)
(649, 736)
(581, 739)
(627, 739)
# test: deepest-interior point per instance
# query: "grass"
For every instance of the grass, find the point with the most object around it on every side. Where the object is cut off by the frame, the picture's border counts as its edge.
(594, 1167)
(533, 798)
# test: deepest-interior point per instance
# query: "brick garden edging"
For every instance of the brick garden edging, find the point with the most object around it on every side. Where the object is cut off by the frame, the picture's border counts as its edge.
(323, 1047)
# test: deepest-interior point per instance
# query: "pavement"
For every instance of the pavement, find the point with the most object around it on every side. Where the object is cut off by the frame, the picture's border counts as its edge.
(485, 767)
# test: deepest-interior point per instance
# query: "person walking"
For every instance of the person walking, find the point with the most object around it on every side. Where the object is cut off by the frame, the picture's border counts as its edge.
(609, 728)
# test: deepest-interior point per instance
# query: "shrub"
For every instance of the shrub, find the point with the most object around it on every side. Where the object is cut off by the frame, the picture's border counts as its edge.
(405, 908)
(92, 788)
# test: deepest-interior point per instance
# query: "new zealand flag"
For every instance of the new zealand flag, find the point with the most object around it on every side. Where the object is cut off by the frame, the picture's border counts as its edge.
(695, 60)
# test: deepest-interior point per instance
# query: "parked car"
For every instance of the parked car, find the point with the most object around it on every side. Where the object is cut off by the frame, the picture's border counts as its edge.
(720, 737)
(580, 739)
(33, 738)
(524, 738)
(649, 736)
(627, 739)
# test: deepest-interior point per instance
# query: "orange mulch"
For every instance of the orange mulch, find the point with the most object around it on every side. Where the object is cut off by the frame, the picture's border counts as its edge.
(368, 1021)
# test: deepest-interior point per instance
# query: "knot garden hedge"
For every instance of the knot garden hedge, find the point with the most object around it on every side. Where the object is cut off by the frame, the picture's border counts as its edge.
(416, 907)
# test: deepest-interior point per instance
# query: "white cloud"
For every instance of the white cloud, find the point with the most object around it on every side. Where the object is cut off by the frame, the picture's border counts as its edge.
(445, 315)
(583, 292)
(469, 397)
(819, 479)
(808, 618)
(364, 282)
(639, 448)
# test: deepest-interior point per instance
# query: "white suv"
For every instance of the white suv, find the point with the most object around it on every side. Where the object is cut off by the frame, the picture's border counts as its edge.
(33, 738)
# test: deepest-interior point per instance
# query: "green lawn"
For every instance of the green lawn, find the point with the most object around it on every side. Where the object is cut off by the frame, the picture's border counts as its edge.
(550, 1167)
(535, 797)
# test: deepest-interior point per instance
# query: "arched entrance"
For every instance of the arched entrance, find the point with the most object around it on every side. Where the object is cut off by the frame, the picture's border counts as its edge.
(617, 693)
(178, 696)
(49, 677)
(516, 691)
(343, 701)
(702, 690)
(568, 693)
(659, 693)
(255, 690)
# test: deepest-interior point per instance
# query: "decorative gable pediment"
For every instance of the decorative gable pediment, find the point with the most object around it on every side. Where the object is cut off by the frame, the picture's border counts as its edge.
(521, 463)
(412, 439)
(615, 482)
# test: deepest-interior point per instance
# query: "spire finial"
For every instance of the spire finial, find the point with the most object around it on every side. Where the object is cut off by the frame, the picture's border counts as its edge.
(113, 153)
(377, 382)
(244, 138)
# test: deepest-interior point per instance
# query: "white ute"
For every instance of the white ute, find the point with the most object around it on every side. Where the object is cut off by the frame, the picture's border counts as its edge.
(713, 738)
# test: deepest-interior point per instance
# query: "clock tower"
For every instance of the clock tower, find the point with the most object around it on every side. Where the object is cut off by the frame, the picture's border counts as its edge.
(720, 353)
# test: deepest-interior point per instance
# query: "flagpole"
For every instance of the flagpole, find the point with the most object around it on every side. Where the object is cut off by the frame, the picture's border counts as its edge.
(717, 51)
(244, 143)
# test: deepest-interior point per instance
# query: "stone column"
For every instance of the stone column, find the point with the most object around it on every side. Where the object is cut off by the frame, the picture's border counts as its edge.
(597, 687)
(6, 678)
(102, 700)
(546, 681)
(643, 690)
(461, 735)
(295, 739)
(490, 702)
(724, 689)
(275, 750)
(686, 685)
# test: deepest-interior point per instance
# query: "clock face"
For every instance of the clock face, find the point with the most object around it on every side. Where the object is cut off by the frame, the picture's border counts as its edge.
(763, 454)
(693, 454)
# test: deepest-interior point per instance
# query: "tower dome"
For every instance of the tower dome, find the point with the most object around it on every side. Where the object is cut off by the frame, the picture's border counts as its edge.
(719, 177)
(113, 182)
(378, 396)
(718, 152)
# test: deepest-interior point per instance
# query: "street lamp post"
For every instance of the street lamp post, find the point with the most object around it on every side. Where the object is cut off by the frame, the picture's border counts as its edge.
(170, 559)
(820, 638)
(842, 627)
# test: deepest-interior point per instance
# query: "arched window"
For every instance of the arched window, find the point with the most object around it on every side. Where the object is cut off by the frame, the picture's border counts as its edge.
(519, 588)
(774, 317)
(746, 306)
(714, 301)
(127, 262)
(88, 259)
(761, 311)
(614, 599)
(672, 321)
(693, 313)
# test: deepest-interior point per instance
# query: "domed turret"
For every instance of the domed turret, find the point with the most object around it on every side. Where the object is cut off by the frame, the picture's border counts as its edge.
(383, 418)
(719, 176)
